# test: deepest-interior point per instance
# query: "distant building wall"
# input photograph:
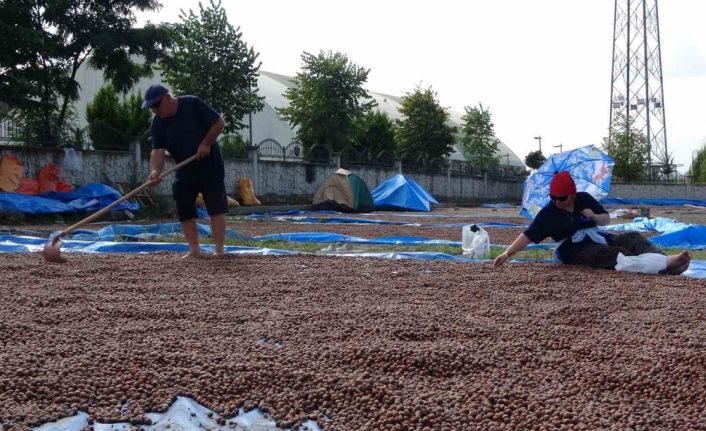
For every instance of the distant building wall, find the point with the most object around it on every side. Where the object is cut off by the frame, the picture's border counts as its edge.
(285, 181)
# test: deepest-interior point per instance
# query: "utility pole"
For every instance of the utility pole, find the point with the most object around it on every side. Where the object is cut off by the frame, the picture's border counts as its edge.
(539, 138)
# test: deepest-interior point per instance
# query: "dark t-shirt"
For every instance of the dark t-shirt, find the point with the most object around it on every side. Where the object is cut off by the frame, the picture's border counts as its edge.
(181, 136)
(558, 224)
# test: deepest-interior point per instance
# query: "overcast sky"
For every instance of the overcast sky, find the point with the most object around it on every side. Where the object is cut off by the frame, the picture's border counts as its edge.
(542, 66)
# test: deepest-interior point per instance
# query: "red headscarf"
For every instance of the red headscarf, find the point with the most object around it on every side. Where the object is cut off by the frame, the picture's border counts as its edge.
(562, 185)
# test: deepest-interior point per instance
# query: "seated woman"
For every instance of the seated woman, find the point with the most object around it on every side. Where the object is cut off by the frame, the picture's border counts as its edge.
(572, 218)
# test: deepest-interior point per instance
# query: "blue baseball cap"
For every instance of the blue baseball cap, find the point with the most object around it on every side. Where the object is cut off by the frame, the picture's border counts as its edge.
(153, 94)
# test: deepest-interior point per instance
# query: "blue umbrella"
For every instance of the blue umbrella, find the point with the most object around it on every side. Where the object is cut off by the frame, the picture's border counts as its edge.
(590, 168)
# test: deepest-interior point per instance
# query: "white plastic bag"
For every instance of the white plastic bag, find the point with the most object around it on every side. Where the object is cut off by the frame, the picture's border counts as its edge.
(647, 263)
(475, 241)
(73, 160)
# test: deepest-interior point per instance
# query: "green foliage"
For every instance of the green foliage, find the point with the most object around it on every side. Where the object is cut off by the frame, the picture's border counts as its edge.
(478, 138)
(535, 159)
(38, 128)
(698, 165)
(374, 132)
(114, 124)
(629, 148)
(423, 132)
(135, 119)
(209, 59)
(327, 96)
(234, 146)
(44, 42)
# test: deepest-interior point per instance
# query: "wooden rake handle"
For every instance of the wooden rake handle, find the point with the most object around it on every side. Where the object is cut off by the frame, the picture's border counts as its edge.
(129, 195)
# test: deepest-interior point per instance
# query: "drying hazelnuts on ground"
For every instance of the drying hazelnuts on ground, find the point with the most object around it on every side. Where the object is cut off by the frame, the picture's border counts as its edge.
(355, 344)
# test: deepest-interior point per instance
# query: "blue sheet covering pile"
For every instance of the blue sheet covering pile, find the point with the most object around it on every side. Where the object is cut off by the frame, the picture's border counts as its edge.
(90, 198)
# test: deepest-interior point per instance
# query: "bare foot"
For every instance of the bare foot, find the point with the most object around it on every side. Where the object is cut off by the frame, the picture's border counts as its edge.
(678, 263)
(192, 255)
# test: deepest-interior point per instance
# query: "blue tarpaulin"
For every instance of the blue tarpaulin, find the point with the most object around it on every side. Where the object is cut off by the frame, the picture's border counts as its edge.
(142, 232)
(91, 197)
(644, 224)
(18, 244)
(691, 237)
(658, 202)
(402, 193)
(673, 233)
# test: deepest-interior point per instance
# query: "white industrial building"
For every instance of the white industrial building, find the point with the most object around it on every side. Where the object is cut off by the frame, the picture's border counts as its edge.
(267, 124)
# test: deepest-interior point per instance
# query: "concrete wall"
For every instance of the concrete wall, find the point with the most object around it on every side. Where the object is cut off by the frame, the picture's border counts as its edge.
(287, 182)
(687, 190)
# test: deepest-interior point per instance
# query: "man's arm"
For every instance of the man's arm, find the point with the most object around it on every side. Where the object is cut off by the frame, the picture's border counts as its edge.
(156, 165)
(517, 246)
(205, 146)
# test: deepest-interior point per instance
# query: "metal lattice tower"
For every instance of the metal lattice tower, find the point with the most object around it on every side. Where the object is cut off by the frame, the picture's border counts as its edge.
(636, 89)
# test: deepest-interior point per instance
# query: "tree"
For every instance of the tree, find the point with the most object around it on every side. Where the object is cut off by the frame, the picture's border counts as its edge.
(479, 142)
(115, 124)
(209, 59)
(327, 96)
(43, 43)
(423, 132)
(374, 132)
(535, 159)
(628, 147)
(698, 165)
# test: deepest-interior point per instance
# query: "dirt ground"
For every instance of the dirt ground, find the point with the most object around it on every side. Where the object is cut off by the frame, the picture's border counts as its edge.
(356, 344)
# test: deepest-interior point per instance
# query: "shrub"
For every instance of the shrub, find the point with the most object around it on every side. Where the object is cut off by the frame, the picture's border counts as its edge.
(234, 147)
(114, 124)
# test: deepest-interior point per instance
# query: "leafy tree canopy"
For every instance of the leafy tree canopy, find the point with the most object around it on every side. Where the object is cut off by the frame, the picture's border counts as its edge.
(535, 159)
(628, 147)
(44, 42)
(209, 59)
(326, 98)
(478, 138)
(423, 132)
(374, 132)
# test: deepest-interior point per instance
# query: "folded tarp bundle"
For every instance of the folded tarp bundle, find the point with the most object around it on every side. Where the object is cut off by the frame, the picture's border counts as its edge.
(91, 197)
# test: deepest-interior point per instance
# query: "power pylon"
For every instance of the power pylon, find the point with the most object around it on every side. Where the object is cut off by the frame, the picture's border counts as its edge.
(637, 90)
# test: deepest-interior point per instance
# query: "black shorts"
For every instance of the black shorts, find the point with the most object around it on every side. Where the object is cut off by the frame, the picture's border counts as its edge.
(214, 196)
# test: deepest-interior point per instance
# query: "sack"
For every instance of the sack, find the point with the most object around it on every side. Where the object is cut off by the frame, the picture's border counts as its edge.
(475, 241)
(11, 171)
(28, 186)
(47, 177)
(247, 192)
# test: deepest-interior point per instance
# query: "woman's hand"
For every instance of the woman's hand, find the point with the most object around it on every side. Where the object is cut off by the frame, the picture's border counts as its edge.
(500, 259)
